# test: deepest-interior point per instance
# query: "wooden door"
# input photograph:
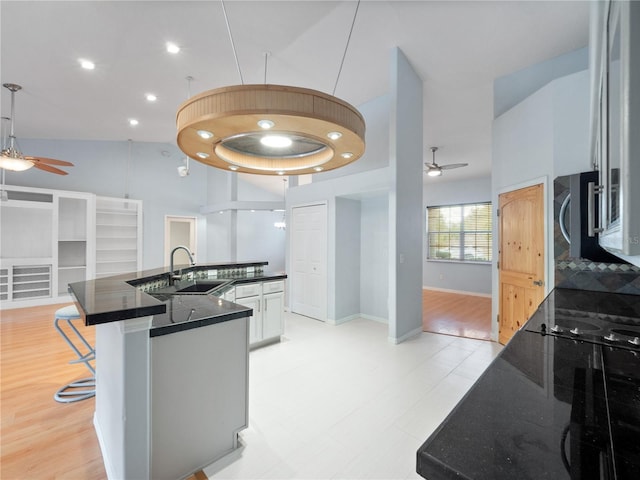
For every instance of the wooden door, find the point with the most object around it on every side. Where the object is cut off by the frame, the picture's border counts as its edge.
(309, 259)
(521, 257)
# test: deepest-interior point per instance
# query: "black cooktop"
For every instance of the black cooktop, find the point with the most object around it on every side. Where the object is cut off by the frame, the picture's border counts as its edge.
(555, 404)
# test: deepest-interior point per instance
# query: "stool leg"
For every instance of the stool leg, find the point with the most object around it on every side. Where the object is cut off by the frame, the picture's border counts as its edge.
(83, 388)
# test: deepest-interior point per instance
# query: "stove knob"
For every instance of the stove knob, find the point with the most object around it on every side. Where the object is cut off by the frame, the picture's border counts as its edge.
(611, 337)
(635, 341)
(575, 331)
(556, 329)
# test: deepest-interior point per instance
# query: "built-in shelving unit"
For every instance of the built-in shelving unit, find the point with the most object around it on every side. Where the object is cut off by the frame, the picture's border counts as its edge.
(51, 238)
(73, 242)
(118, 236)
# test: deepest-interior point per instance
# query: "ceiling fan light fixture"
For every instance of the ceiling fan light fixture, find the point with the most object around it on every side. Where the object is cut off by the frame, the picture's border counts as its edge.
(434, 172)
(12, 159)
(9, 160)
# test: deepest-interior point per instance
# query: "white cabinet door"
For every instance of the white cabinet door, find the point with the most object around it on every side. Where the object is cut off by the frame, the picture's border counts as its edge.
(272, 315)
(255, 321)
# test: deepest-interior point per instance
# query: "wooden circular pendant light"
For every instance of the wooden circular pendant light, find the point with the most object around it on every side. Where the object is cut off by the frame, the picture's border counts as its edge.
(270, 130)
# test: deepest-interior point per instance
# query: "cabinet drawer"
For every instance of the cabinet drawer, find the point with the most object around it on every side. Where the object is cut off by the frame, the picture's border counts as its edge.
(270, 287)
(248, 290)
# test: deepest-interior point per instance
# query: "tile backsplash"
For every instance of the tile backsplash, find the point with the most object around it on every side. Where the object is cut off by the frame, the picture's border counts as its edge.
(584, 274)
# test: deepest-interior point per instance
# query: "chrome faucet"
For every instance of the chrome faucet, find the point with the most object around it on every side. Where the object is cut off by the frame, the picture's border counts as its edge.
(173, 277)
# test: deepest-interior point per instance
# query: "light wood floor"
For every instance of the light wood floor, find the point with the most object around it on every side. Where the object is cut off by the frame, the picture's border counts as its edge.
(42, 438)
(455, 314)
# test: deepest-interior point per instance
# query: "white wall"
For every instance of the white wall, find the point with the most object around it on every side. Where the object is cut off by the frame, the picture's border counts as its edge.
(457, 276)
(374, 257)
(347, 258)
(544, 136)
(406, 222)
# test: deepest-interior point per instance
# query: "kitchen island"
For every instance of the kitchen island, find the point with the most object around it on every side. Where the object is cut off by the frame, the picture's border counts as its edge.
(172, 367)
(561, 401)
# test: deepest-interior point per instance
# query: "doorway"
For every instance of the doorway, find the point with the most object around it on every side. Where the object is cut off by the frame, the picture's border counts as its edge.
(521, 257)
(309, 261)
(179, 231)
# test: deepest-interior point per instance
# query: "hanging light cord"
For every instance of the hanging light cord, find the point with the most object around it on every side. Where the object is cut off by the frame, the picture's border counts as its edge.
(233, 45)
(346, 47)
(266, 56)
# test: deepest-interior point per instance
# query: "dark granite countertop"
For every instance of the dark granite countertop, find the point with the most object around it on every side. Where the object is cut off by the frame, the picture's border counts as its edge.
(118, 298)
(549, 406)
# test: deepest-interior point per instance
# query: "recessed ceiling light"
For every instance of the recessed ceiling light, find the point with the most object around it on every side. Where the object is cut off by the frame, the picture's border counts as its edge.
(265, 124)
(318, 169)
(172, 47)
(280, 172)
(334, 135)
(202, 155)
(133, 122)
(347, 155)
(233, 167)
(151, 97)
(87, 64)
(276, 141)
(205, 134)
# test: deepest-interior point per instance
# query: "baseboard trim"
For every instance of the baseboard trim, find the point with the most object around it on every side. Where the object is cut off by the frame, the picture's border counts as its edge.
(460, 292)
(406, 336)
(342, 320)
(375, 319)
(105, 457)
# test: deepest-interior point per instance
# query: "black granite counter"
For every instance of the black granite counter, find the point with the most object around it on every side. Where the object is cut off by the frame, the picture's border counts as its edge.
(121, 297)
(555, 405)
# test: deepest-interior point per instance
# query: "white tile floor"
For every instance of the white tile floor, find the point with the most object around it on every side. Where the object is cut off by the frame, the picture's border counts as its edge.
(342, 402)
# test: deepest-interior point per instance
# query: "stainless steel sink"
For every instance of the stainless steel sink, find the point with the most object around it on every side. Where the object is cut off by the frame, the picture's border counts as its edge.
(201, 286)
(193, 287)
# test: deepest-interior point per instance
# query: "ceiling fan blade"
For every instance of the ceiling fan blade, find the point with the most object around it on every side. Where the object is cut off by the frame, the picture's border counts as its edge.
(51, 161)
(453, 165)
(48, 168)
(431, 166)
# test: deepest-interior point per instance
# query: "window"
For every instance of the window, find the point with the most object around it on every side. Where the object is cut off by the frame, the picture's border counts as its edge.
(460, 233)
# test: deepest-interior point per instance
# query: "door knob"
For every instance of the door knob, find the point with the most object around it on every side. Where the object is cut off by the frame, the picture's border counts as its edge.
(538, 283)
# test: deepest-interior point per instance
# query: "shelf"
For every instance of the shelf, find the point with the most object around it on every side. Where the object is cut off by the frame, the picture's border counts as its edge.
(75, 267)
(72, 239)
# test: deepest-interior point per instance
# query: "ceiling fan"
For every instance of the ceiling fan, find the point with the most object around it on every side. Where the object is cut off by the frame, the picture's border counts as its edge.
(435, 170)
(12, 159)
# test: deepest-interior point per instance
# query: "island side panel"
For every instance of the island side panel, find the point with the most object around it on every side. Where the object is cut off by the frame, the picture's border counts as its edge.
(121, 417)
(199, 396)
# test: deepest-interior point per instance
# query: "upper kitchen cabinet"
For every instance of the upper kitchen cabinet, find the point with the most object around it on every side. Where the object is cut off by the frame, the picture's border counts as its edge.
(615, 58)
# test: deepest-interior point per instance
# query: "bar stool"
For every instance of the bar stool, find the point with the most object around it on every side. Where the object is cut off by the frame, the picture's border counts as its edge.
(86, 387)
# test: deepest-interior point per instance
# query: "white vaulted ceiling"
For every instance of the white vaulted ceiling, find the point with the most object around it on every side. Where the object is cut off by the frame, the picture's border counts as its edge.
(458, 48)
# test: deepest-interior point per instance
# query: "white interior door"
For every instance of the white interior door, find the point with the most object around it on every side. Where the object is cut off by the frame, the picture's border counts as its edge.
(309, 260)
(179, 231)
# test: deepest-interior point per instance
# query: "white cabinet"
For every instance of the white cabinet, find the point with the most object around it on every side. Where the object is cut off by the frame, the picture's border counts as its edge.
(615, 49)
(118, 236)
(267, 301)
